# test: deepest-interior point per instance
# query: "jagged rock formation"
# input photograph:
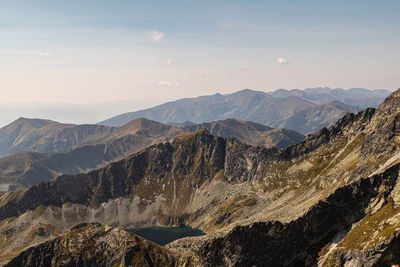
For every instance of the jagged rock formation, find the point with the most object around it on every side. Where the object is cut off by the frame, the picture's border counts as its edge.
(29, 168)
(331, 200)
(304, 111)
(97, 245)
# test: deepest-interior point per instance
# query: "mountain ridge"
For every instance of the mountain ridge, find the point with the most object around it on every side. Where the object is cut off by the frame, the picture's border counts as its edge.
(29, 168)
(268, 108)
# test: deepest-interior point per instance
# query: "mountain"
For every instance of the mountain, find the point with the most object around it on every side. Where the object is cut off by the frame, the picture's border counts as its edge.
(249, 132)
(272, 108)
(360, 97)
(314, 118)
(25, 169)
(46, 136)
(330, 200)
(97, 245)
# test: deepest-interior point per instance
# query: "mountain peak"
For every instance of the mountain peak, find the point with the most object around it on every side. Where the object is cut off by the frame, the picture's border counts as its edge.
(394, 95)
(192, 135)
(391, 104)
(31, 123)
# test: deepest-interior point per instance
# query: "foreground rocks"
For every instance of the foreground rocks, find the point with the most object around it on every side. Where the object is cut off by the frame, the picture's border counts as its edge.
(97, 245)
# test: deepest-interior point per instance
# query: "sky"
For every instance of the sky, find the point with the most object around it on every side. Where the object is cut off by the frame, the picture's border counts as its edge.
(140, 53)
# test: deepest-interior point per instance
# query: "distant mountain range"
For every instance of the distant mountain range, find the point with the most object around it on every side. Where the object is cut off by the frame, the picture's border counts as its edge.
(46, 149)
(304, 111)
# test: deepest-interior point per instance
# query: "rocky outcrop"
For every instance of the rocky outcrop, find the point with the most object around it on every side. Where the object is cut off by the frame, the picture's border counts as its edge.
(97, 245)
(384, 131)
(297, 243)
(383, 254)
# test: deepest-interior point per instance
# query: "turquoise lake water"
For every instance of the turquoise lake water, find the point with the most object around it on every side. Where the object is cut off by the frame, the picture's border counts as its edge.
(164, 235)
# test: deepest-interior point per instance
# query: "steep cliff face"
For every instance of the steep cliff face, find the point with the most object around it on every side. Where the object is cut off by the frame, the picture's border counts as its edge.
(97, 245)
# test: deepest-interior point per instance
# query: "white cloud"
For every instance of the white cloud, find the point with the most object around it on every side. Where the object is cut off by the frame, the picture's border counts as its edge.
(168, 84)
(282, 60)
(156, 36)
(41, 53)
(169, 61)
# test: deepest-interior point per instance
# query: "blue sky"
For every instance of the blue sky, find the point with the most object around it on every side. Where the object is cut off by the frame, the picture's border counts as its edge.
(98, 51)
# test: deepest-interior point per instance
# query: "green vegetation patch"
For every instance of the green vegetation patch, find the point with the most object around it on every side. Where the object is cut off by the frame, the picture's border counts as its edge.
(372, 229)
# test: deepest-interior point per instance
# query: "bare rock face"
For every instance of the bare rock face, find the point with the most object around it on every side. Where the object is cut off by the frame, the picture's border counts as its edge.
(97, 245)
(297, 243)
(384, 131)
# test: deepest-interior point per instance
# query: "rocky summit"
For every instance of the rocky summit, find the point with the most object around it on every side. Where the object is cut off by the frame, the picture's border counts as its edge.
(330, 200)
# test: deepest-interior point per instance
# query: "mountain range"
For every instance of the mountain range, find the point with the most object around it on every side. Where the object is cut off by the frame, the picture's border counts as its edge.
(46, 149)
(304, 111)
(330, 200)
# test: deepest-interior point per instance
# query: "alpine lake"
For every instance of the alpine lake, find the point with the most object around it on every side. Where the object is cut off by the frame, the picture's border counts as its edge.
(164, 235)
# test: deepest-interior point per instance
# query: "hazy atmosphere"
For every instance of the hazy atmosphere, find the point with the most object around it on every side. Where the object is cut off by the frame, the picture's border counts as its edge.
(128, 55)
(203, 133)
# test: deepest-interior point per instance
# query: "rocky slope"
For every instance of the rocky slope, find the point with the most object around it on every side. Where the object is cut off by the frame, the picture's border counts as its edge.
(271, 109)
(329, 200)
(97, 245)
(24, 169)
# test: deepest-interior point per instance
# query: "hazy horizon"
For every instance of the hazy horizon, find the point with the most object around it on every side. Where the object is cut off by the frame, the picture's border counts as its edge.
(89, 113)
